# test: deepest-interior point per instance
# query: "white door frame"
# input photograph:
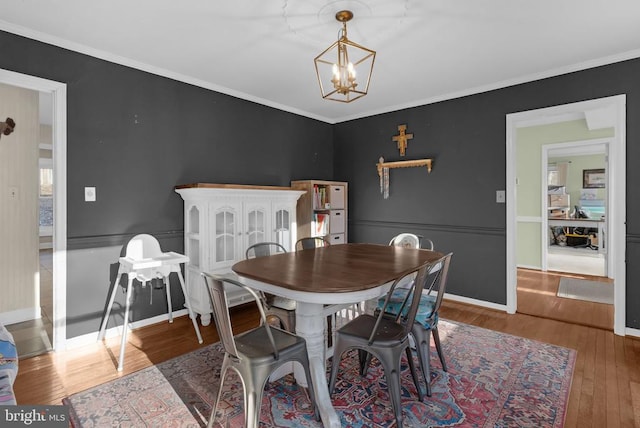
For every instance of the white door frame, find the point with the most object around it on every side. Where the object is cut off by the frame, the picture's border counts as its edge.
(59, 93)
(617, 194)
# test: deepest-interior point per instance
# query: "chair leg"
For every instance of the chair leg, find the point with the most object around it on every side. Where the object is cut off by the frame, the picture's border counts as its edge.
(422, 339)
(365, 361)
(436, 339)
(254, 382)
(312, 394)
(223, 372)
(390, 360)
(338, 349)
(188, 303)
(167, 287)
(105, 320)
(251, 413)
(125, 326)
(414, 375)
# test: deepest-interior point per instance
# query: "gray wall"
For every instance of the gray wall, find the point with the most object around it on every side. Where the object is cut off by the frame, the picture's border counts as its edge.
(185, 134)
(455, 204)
(134, 136)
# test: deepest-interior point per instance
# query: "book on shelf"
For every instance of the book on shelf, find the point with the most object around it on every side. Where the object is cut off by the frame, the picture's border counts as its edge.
(321, 224)
(319, 197)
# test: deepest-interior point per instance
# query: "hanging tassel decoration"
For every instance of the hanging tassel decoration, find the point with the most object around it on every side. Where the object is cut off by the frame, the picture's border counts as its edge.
(385, 174)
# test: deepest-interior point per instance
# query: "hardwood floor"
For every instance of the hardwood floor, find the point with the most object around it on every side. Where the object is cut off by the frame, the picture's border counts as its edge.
(605, 391)
(537, 295)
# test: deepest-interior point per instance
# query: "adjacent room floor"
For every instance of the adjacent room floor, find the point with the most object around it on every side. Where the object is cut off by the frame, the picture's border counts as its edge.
(35, 337)
(576, 260)
(537, 295)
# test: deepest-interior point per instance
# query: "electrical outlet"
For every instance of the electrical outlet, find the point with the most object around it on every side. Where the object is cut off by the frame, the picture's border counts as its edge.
(501, 197)
(89, 194)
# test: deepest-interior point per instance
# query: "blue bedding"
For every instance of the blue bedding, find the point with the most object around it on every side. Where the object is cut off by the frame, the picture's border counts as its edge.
(8, 367)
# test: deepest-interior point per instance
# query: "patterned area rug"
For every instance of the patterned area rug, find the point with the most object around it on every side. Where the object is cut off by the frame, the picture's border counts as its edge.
(494, 379)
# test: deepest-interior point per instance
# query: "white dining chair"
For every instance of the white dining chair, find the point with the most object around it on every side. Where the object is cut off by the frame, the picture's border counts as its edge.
(144, 261)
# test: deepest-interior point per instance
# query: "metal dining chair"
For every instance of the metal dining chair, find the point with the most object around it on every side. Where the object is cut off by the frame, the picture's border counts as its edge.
(411, 240)
(426, 321)
(311, 242)
(281, 308)
(254, 354)
(386, 338)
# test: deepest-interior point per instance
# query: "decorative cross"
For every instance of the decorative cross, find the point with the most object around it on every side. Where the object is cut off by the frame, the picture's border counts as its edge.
(402, 138)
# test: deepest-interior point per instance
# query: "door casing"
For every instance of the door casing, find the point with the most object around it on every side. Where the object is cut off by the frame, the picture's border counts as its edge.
(616, 195)
(59, 93)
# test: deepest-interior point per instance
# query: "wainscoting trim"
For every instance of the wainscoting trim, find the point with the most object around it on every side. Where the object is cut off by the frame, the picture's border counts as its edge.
(475, 230)
(99, 241)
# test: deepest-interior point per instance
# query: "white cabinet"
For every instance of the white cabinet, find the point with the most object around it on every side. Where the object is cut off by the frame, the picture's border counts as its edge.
(222, 221)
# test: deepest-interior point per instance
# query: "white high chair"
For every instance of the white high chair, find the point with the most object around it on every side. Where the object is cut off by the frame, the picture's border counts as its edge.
(145, 261)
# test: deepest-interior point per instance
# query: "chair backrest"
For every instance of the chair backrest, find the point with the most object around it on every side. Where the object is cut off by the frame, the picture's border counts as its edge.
(313, 242)
(440, 274)
(405, 317)
(262, 249)
(411, 240)
(217, 294)
(144, 246)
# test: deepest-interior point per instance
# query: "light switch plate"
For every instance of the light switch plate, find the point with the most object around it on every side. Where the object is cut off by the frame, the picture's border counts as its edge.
(501, 196)
(89, 194)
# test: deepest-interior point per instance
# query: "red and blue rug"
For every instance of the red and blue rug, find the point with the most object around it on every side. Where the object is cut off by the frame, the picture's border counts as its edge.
(494, 380)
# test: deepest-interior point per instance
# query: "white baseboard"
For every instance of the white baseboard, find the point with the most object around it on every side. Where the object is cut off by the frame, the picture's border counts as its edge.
(90, 338)
(632, 332)
(529, 267)
(20, 315)
(475, 302)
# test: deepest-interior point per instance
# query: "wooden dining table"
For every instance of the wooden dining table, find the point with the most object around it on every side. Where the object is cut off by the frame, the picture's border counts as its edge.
(334, 275)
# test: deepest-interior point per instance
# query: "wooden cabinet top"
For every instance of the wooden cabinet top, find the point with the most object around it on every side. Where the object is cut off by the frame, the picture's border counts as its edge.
(230, 186)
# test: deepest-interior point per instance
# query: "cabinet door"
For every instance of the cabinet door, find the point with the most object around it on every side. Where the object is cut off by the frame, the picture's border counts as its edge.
(226, 230)
(283, 234)
(194, 227)
(256, 223)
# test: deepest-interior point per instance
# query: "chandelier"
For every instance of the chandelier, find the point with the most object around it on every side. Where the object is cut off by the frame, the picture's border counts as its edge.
(344, 68)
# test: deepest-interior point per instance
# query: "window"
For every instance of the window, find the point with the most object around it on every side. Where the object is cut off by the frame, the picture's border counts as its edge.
(46, 182)
(46, 200)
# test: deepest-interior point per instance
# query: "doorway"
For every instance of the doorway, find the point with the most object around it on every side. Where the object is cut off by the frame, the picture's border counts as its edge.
(57, 91)
(611, 110)
(574, 213)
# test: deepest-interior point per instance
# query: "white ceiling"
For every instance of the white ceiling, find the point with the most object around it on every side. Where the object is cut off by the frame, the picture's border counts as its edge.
(263, 50)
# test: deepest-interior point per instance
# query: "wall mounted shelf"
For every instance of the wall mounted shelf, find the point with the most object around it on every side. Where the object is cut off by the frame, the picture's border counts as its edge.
(384, 167)
(403, 164)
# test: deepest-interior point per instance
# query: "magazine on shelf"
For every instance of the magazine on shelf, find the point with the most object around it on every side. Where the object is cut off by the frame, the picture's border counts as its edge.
(321, 224)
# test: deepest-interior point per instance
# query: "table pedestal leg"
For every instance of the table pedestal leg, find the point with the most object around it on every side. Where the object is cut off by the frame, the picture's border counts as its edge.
(310, 325)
